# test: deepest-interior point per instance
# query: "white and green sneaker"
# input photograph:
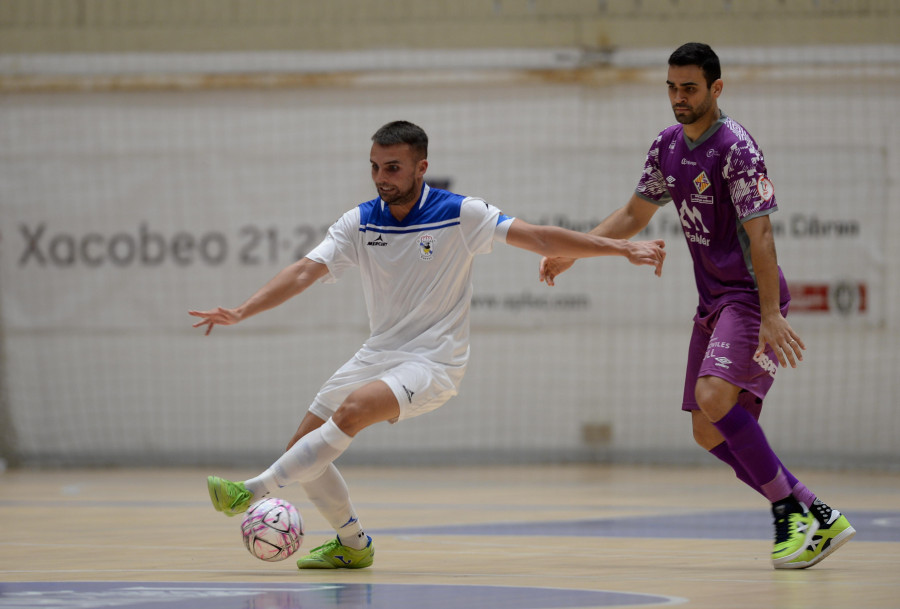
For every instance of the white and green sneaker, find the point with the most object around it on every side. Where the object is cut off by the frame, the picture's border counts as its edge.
(230, 498)
(793, 531)
(334, 555)
(834, 531)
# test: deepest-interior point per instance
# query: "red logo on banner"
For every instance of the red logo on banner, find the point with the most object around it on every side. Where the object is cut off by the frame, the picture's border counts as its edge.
(844, 297)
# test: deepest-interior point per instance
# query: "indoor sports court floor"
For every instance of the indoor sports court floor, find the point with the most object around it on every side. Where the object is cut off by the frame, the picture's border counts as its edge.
(582, 537)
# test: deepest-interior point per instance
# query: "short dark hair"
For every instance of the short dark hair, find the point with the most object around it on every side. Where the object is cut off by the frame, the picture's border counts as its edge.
(403, 132)
(701, 55)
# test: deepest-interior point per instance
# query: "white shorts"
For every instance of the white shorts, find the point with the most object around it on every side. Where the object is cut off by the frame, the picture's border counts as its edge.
(419, 384)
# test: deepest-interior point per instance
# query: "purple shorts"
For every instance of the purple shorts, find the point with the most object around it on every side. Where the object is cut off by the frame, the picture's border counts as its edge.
(723, 345)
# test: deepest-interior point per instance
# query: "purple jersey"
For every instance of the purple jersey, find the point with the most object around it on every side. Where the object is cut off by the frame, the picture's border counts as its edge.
(717, 182)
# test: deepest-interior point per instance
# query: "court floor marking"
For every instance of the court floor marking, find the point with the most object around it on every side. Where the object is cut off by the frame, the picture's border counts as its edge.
(314, 595)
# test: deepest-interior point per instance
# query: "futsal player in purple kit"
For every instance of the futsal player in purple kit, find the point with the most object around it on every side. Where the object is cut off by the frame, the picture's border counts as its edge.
(715, 174)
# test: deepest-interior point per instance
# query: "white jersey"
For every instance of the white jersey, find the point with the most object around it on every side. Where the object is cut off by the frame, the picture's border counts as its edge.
(416, 273)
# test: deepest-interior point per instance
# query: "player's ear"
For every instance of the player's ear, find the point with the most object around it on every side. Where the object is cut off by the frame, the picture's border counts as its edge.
(717, 87)
(421, 167)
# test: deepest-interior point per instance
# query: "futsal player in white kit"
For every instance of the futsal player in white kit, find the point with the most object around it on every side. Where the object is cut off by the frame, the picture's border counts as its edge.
(414, 246)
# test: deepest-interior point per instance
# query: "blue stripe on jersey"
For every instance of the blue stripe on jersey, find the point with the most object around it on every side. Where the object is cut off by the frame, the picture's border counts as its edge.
(441, 209)
(401, 231)
(503, 218)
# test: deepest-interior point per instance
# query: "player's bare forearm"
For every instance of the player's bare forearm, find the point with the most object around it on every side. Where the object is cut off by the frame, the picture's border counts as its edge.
(289, 282)
(628, 220)
(553, 241)
(624, 223)
(774, 329)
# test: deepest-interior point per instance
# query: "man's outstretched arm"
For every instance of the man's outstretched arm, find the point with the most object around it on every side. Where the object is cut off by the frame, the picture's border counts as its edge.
(289, 282)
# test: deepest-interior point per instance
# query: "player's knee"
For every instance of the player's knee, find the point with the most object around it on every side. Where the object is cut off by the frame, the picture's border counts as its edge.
(354, 414)
(349, 418)
(366, 406)
(704, 394)
(705, 434)
(714, 396)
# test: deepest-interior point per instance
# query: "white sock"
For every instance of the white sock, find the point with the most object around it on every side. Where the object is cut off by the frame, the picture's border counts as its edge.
(306, 460)
(331, 497)
(356, 540)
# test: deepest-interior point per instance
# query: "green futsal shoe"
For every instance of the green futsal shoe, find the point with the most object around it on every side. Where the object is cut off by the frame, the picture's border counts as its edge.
(793, 531)
(334, 555)
(230, 498)
(833, 532)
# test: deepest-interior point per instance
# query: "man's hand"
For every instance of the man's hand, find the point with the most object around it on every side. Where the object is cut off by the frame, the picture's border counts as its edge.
(787, 344)
(648, 252)
(220, 316)
(551, 267)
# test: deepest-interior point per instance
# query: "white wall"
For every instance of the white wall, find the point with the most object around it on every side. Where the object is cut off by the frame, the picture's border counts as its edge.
(103, 366)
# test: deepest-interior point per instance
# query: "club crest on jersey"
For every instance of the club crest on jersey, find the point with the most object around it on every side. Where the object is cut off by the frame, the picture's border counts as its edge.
(701, 182)
(426, 247)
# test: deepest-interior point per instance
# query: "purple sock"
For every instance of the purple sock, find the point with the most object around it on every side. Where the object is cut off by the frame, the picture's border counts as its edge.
(753, 405)
(747, 444)
(799, 490)
(723, 453)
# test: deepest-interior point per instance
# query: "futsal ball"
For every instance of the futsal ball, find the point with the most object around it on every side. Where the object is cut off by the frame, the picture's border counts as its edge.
(272, 529)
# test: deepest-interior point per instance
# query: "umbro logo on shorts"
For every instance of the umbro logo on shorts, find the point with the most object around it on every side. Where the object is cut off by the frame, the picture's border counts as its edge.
(723, 362)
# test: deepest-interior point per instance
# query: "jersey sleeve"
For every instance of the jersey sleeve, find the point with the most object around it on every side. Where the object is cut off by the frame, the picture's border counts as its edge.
(481, 224)
(338, 251)
(751, 189)
(652, 185)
